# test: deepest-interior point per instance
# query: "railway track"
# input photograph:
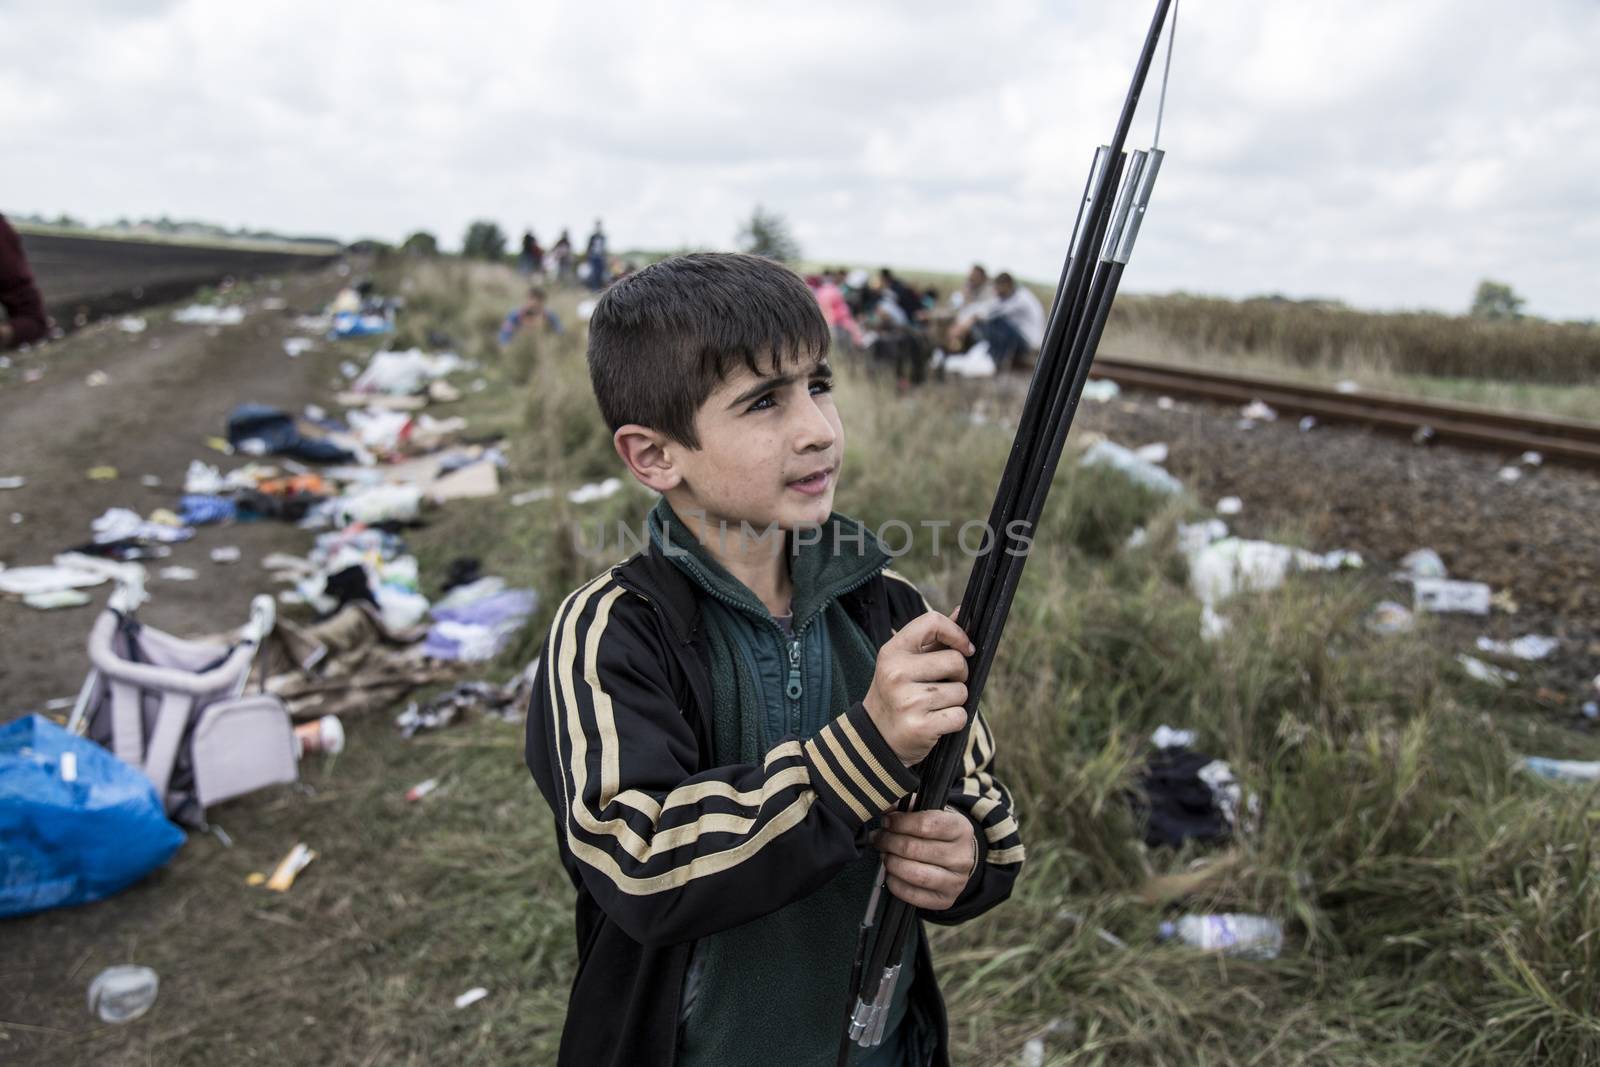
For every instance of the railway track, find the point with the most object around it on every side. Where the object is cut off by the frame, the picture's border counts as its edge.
(1554, 438)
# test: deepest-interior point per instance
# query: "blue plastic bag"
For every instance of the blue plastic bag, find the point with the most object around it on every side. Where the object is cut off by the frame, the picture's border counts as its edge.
(76, 823)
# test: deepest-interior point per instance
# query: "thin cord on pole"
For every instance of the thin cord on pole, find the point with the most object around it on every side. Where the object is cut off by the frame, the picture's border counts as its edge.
(1166, 71)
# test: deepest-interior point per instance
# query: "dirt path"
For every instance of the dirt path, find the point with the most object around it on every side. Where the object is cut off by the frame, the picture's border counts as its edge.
(168, 389)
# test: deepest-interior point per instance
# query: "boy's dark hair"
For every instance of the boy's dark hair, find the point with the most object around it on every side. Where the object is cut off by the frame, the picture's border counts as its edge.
(662, 339)
(1004, 278)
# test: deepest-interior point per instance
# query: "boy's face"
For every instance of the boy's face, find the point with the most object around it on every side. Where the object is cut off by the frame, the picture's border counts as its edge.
(771, 446)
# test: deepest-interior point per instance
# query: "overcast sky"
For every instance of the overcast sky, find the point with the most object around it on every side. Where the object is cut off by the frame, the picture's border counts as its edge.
(1387, 154)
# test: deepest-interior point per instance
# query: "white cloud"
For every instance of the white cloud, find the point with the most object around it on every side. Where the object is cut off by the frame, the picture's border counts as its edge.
(1390, 155)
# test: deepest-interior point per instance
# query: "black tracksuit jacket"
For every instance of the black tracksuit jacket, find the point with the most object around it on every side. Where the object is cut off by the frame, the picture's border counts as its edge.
(664, 847)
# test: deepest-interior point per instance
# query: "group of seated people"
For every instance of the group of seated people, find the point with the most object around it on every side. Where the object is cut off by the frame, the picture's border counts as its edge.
(985, 327)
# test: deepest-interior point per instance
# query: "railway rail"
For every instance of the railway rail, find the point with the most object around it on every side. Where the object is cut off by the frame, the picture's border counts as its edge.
(1571, 440)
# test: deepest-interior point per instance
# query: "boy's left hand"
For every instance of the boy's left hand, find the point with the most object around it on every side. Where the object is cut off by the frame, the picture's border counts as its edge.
(928, 856)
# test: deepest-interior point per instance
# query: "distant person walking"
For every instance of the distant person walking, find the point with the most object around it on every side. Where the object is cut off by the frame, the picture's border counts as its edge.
(561, 253)
(25, 320)
(530, 260)
(596, 258)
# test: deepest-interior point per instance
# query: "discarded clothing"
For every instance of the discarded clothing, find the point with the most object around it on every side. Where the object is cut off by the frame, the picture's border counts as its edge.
(478, 630)
(279, 434)
(197, 509)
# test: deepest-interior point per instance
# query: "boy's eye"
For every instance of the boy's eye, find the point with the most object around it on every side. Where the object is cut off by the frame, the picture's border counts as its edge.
(822, 385)
(762, 402)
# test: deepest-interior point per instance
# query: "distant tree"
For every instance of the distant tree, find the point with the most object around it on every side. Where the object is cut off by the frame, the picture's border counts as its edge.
(483, 241)
(421, 243)
(1496, 301)
(767, 234)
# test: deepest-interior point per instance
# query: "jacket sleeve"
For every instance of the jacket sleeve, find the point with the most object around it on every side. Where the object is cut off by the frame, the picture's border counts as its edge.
(669, 852)
(977, 794)
(18, 294)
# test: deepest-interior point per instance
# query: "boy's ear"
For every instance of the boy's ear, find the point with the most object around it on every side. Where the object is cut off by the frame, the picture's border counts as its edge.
(649, 456)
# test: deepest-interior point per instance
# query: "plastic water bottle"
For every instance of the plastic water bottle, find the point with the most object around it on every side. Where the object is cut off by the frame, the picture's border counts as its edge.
(1250, 936)
(123, 993)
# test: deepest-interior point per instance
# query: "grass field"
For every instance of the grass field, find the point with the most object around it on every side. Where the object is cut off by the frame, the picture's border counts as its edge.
(1438, 903)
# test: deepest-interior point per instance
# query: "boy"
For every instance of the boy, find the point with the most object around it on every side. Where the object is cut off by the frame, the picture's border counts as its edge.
(532, 317)
(723, 723)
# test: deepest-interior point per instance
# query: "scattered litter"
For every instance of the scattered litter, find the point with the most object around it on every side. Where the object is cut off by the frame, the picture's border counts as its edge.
(421, 789)
(289, 868)
(975, 362)
(150, 481)
(1423, 435)
(1590, 709)
(1509, 474)
(386, 503)
(471, 997)
(204, 509)
(1528, 646)
(1258, 411)
(595, 491)
(1308, 423)
(1346, 386)
(96, 379)
(1230, 505)
(1212, 625)
(131, 324)
(13, 482)
(478, 479)
(258, 429)
(1194, 536)
(64, 573)
(473, 630)
(1138, 538)
(178, 574)
(1248, 936)
(1389, 617)
(1222, 568)
(219, 444)
(122, 993)
(295, 346)
(101, 474)
(68, 843)
(325, 734)
(529, 496)
(1246, 424)
(403, 373)
(1562, 770)
(1143, 472)
(444, 709)
(210, 315)
(225, 554)
(1155, 452)
(1423, 563)
(1166, 403)
(1531, 459)
(255, 878)
(1448, 596)
(125, 524)
(1168, 737)
(60, 598)
(1101, 390)
(1503, 601)
(1486, 673)
(1033, 1048)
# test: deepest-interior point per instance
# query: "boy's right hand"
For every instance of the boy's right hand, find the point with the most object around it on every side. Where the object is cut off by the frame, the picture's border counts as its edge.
(919, 689)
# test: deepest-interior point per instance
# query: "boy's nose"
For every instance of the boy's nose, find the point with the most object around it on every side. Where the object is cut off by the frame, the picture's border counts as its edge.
(814, 431)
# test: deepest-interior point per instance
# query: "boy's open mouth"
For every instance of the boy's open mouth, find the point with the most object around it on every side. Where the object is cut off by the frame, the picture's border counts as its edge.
(813, 484)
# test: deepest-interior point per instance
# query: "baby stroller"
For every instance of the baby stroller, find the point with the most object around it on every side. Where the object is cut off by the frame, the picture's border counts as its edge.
(176, 709)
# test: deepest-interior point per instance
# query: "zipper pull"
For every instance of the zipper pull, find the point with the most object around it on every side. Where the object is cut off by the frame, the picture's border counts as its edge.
(793, 690)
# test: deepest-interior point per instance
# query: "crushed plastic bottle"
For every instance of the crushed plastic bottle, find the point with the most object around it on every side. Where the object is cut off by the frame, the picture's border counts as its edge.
(123, 993)
(1249, 936)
